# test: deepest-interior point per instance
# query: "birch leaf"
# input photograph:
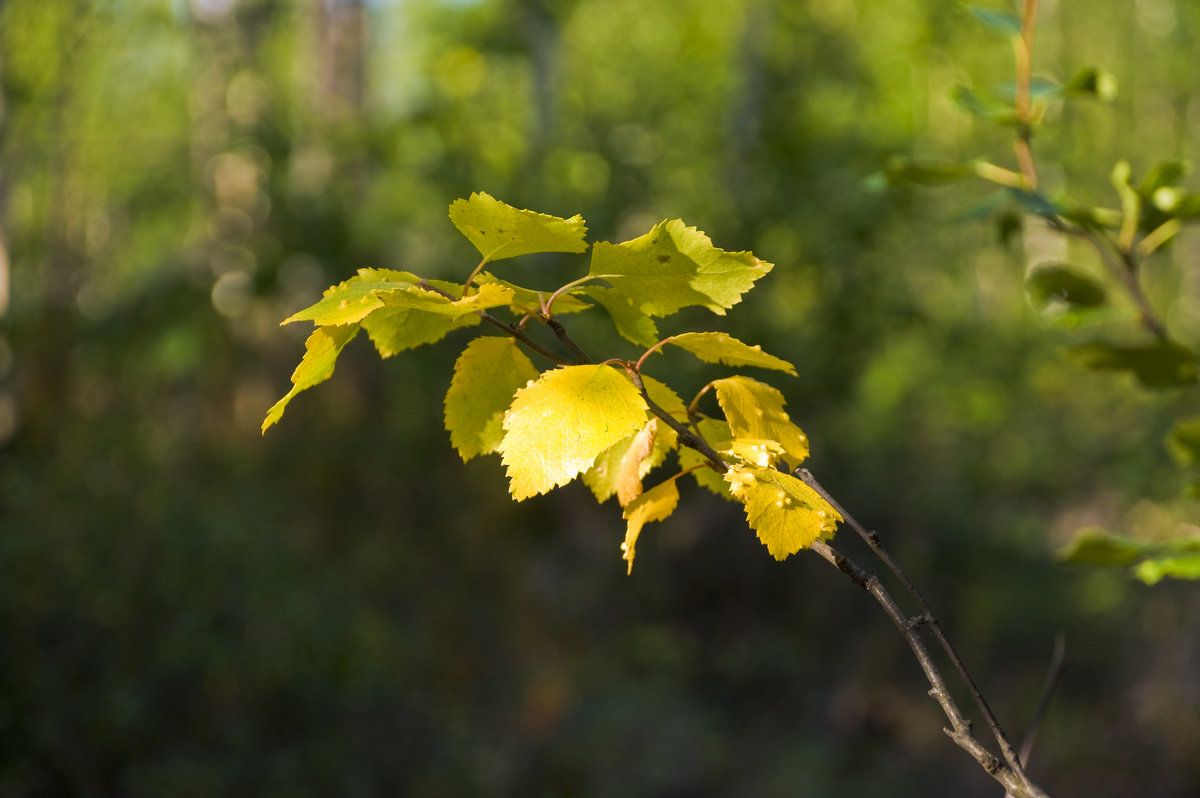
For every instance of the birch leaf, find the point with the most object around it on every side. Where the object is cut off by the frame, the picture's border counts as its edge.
(320, 355)
(755, 410)
(501, 231)
(656, 504)
(487, 375)
(719, 347)
(605, 474)
(557, 426)
(786, 514)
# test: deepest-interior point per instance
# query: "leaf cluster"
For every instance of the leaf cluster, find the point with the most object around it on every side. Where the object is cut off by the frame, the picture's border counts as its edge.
(610, 423)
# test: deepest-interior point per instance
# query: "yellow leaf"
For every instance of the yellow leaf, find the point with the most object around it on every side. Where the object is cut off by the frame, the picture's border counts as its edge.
(755, 410)
(501, 231)
(655, 504)
(754, 451)
(486, 377)
(602, 478)
(786, 514)
(719, 347)
(320, 355)
(717, 433)
(629, 475)
(558, 424)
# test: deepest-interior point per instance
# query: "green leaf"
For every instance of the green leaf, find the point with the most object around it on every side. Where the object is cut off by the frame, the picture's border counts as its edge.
(393, 330)
(1098, 83)
(416, 298)
(320, 355)
(902, 169)
(557, 426)
(1185, 441)
(1162, 364)
(501, 231)
(1051, 284)
(604, 477)
(656, 504)
(671, 267)
(631, 321)
(1175, 557)
(755, 410)
(354, 299)
(787, 514)
(1179, 566)
(1094, 546)
(1003, 22)
(1165, 174)
(718, 347)
(983, 107)
(487, 375)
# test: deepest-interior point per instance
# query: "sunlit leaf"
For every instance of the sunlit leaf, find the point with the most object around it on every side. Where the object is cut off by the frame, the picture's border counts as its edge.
(394, 330)
(1094, 546)
(604, 477)
(754, 451)
(787, 514)
(1163, 364)
(320, 355)
(557, 426)
(489, 295)
(629, 472)
(501, 231)
(719, 347)
(1155, 560)
(656, 504)
(487, 375)
(352, 300)
(671, 267)
(1177, 566)
(755, 410)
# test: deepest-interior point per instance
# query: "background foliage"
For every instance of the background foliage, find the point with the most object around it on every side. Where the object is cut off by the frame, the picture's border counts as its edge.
(344, 608)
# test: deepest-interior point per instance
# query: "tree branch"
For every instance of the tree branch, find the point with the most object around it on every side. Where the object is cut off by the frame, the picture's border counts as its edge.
(1015, 782)
(872, 540)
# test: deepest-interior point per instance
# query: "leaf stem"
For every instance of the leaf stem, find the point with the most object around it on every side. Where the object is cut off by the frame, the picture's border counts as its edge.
(1023, 56)
(872, 540)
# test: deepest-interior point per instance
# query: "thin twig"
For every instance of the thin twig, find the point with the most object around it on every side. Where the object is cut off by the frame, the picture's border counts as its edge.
(1015, 782)
(1058, 664)
(686, 436)
(872, 540)
(561, 332)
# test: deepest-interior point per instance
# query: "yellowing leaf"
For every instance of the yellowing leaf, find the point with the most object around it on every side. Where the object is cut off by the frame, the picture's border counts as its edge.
(486, 377)
(557, 426)
(656, 504)
(604, 475)
(394, 330)
(755, 410)
(320, 355)
(629, 474)
(717, 433)
(718, 347)
(501, 231)
(352, 300)
(754, 451)
(671, 267)
(786, 514)
(417, 298)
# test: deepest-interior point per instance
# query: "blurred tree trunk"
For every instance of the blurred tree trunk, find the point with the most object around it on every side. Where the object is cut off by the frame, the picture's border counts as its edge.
(341, 58)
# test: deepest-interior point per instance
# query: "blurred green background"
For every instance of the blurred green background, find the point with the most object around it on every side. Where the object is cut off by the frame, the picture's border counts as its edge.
(343, 608)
